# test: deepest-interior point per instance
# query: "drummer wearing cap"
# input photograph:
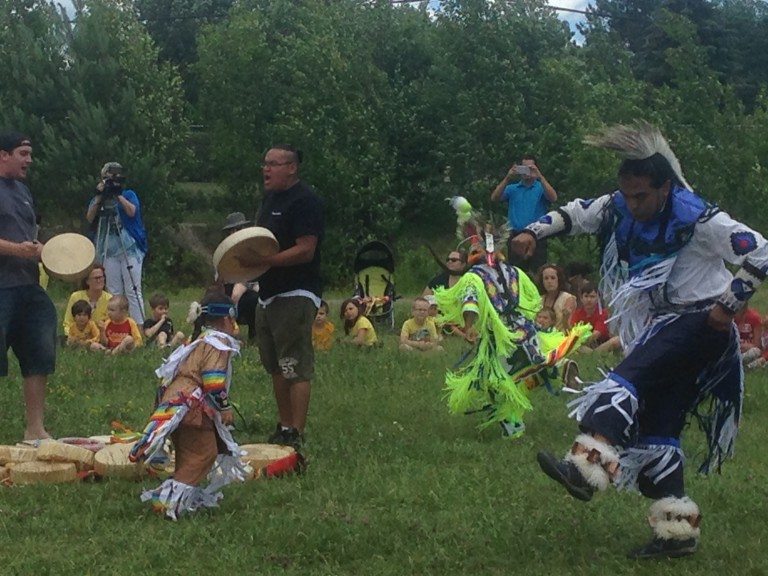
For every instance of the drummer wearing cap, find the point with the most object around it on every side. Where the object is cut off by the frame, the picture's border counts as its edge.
(27, 315)
(290, 291)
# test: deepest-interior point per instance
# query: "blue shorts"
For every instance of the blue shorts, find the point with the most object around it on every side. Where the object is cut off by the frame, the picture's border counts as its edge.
(28, 326)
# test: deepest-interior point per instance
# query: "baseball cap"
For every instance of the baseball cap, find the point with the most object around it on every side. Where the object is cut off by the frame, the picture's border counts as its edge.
(112, 168)
(10, 140)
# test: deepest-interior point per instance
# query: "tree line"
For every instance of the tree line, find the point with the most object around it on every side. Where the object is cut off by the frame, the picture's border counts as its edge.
(395, 106)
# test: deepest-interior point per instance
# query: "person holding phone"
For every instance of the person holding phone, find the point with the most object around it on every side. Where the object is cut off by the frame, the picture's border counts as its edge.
(528, 195)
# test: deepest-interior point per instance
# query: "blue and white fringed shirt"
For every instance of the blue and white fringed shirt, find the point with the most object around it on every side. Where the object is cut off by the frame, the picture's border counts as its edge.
(654, 272)
(673, 264)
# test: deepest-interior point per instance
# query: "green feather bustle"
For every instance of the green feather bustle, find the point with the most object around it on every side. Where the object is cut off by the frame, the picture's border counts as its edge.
(485, 380)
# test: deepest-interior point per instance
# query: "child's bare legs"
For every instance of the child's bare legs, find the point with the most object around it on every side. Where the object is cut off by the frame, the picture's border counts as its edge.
(97, 347)
(407, 347)
(126, 346)
(72, 343)
(177, 339)
(34, 400)
(613, 343)
(161, 340)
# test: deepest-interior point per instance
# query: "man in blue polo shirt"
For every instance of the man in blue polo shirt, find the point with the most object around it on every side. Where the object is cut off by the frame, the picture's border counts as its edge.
(529, 199)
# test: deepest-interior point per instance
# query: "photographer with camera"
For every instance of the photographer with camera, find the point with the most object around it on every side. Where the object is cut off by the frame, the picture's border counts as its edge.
(529, 199)
(121, 240)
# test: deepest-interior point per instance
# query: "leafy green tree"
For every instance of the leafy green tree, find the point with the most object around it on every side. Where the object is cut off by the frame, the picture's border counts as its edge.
(33, 42)
(731, 32)
(299, 72)
(175, 25)
(123, 106)
(89, 93)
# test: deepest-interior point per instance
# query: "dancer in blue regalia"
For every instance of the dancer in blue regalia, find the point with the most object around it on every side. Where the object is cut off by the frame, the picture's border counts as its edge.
(673, 301)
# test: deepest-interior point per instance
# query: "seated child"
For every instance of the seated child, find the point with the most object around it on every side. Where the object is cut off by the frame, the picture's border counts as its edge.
(590, 312)
(419, 332)
(159, 328)
(193, 411)
(322, 329)
(356, 325)
(83, 332)
(120, 334)
(763, 359)
(443, 328)
(546, 318)
(750, 327)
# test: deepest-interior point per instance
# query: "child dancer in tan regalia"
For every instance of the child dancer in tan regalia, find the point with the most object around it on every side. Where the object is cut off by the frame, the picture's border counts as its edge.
(193, 410)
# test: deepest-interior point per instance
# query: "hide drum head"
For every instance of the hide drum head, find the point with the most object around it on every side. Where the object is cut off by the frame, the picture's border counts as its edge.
(68, 257)
(239, 256)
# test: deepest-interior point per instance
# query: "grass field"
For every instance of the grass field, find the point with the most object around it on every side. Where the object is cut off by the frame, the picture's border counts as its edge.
(395, 484)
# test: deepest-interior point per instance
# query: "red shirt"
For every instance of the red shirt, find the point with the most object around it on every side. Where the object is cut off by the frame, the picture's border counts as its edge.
(116, 333)
(596, 320)
(748, 323)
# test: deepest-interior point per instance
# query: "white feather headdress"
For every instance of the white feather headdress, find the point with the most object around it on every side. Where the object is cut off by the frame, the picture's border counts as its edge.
(637, 142)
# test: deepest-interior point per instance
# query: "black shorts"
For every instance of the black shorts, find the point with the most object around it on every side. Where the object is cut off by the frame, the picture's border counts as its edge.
(28, 327)
(284, 337)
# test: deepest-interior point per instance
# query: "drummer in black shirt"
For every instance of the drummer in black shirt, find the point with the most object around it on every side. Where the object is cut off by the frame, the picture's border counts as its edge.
(290, 291)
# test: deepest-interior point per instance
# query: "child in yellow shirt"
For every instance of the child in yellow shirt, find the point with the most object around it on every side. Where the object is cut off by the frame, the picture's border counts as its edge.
(83, 333)
(356, 325)
(322, 329)
(419, 332)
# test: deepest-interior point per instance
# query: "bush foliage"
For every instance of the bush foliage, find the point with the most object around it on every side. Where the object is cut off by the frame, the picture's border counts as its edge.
(396, 106)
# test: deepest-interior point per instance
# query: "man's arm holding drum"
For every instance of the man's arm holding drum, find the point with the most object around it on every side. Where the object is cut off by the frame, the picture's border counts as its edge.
(576, 217)
(29, 250)
(300, 253)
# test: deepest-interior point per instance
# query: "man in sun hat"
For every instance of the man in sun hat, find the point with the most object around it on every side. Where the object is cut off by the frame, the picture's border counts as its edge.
(674, 300)
(27, 315)
(290, 291)
(234, 222)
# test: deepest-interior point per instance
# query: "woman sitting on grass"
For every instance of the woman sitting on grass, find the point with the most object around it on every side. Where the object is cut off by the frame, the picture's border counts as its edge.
(92, 292)
(356, 326)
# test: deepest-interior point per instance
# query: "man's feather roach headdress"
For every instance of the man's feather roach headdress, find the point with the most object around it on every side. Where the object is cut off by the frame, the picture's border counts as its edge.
(637, 142)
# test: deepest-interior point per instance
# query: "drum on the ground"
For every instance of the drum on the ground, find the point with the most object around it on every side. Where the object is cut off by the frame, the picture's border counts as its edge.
(269, 460)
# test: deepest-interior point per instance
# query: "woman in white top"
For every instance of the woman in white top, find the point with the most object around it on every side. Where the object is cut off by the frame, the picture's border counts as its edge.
(550, 280)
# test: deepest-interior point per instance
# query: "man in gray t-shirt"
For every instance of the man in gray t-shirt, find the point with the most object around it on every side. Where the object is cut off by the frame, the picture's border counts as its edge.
(27, 315)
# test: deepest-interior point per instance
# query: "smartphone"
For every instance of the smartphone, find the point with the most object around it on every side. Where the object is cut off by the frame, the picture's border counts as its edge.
(522, 170)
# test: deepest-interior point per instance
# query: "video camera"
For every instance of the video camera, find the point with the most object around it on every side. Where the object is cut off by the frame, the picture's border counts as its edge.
(113, 186)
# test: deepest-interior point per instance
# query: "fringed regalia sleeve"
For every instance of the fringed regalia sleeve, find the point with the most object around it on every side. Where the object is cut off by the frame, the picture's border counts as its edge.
(576, 217)
(485, 375)
(529, 299)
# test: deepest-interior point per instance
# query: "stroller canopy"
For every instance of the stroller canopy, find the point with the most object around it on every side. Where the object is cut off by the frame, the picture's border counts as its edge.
(374, 253)
(375, 279)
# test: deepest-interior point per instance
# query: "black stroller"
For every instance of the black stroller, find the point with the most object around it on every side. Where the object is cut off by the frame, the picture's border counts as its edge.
(374, 268)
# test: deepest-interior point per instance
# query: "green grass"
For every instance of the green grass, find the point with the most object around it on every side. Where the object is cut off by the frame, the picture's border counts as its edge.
(395, 484)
